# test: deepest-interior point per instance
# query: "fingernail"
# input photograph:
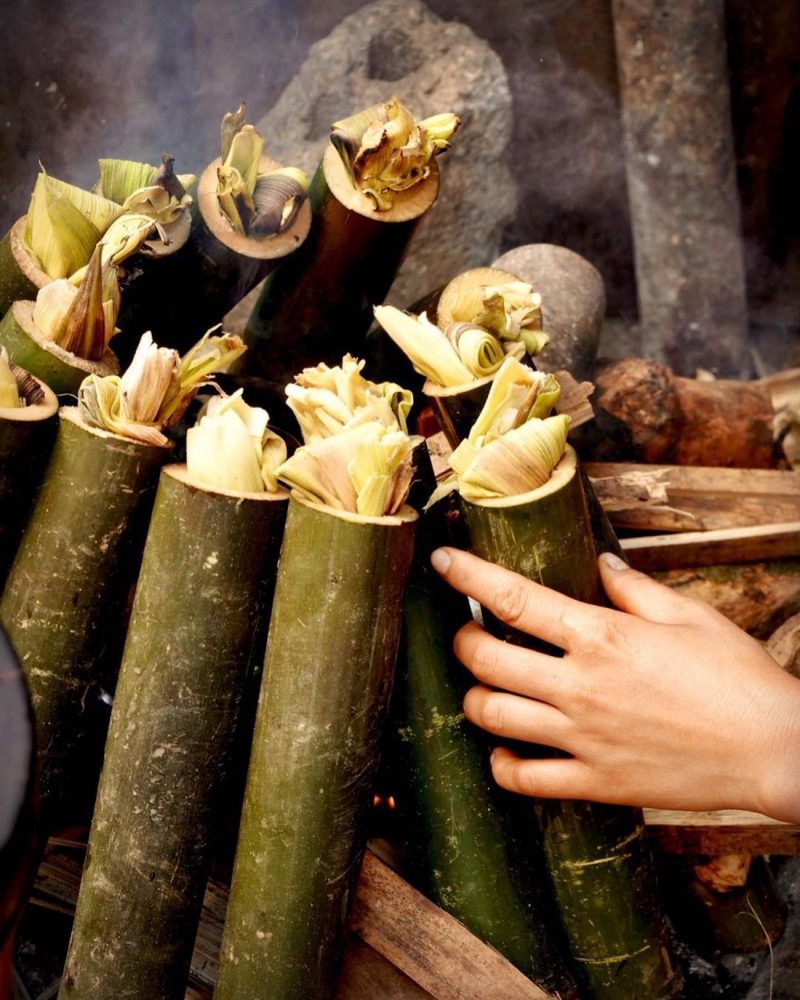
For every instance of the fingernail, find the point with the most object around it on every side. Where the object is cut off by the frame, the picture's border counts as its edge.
(440, 560)
(611, 561)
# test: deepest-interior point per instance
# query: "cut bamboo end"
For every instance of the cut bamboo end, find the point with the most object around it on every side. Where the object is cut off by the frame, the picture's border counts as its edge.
(560, 476)
(269, 248)
(461, 300)
(73, 415)
(181, 473)
(408, 205)
(405, 515)
(44, 359)
(41, 403)
(27, 265)
(458, 407)
(433, 389)
(178, 235)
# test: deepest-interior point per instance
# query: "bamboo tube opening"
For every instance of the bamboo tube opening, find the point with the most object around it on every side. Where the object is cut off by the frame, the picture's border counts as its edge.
(24, 261)
(22, 314)
(559, 478)
(181, 473)
(405, 515)
(467, 286)
(409, 204)
(41, 403)
(177, 232)
(268, 248)
(73, 415)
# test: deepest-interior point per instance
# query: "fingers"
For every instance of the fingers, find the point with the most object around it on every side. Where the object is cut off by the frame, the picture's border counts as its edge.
(518, 718)
(557, 778)
(636, 593)
(503, 665)
(516, 601)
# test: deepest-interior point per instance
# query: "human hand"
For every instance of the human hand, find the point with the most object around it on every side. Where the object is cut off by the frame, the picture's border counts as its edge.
(662, 703)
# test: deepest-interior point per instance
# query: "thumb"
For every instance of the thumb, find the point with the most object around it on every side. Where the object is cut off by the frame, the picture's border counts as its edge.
(638, 594)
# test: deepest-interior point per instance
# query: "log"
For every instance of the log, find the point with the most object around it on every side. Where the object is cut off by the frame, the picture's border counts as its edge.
(724, 831)
(646, 413)
(757, 597)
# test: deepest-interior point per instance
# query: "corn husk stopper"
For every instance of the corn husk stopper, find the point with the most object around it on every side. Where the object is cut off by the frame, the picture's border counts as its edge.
(64, 224)
(456, 356)
(257, 205)
(385, 151)
(329, 400)
(9, 389)
(514, 444)
(366, 469)
(120, 179)
(81, 319)
(231, 447)
(155, 390)
(511, 310)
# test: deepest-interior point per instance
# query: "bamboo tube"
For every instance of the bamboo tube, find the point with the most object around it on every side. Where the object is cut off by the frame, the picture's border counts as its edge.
(203, 280)
(197, 633)
(457, 407)
(65, 604)
(327, 679)
(26, 437)
(318, 306)
(464, 844)
(598, 858)
(20, 277)
(60, 369)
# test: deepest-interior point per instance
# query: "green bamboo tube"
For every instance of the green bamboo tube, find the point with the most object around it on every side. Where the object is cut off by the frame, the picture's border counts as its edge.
(60, 369)
(597, 855)
(20, 277)
(327, 679)
(197, 633)
(318, 306)
(27, 434)
(65, 604)
(457, 407)
(468, 841)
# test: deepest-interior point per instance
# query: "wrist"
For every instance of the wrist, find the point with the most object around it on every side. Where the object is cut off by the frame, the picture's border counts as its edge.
(778, 782)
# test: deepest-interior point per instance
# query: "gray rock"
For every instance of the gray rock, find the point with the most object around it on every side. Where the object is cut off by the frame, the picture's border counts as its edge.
(401, 47)
(573, 303)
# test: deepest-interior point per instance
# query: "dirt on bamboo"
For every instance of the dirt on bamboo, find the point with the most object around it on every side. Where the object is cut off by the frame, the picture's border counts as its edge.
(196, 636)
(598, 858)
(62, 370)
(318, 306)
(27, 434)
(66, 601)
(327, 679)
(20, 276)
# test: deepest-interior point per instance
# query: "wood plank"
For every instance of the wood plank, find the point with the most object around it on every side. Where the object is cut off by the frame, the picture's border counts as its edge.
(726, 831)
(429, 945)
(366, 975)
(708, 548)
(704, 498)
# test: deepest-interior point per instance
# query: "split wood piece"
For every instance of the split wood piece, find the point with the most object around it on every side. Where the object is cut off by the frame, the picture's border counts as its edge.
(598, 859)
(195, 287)
(709, 548)
(20, 277)
(432, 949)
(725, 831)
(196, 636)
(27, 434)
(62, 370)
(757, 597)
(466, 841)
(318, 306)
(681, 169)
(66, 601)
(697, 498)
(328, 673)
(646, 413)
